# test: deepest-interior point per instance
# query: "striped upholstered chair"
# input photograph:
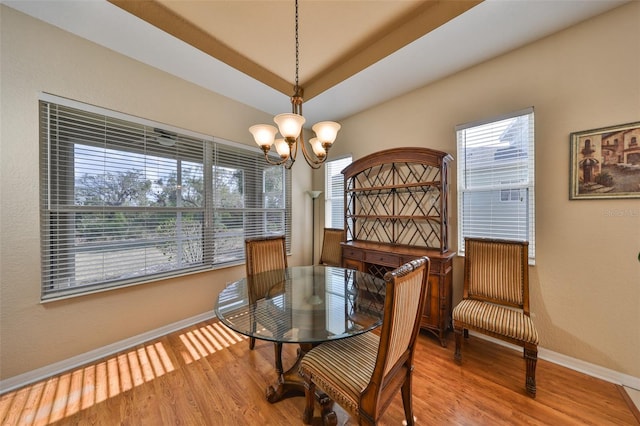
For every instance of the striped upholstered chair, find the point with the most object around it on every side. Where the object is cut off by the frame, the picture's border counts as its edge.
(331, 249)
(364, 373)
(495, 299)
(264, 254)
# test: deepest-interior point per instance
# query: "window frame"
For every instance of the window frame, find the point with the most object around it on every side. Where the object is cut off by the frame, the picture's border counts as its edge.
(60, 187)
(506, 170)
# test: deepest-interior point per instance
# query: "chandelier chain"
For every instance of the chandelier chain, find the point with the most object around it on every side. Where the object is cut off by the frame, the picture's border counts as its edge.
(297, 48)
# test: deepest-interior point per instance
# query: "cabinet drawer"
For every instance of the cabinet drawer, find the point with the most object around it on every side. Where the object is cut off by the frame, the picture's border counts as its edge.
(387, 259)
(353, 264)
(350, 253)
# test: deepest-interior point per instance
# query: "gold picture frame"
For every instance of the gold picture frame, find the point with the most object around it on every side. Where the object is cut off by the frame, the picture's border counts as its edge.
(605, 163)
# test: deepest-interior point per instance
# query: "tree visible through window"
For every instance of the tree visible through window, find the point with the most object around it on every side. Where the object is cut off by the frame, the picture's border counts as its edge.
(496, 180)
(124, 201)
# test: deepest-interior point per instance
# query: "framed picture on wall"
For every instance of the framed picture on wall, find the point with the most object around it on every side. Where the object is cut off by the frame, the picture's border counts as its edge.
(605, 163)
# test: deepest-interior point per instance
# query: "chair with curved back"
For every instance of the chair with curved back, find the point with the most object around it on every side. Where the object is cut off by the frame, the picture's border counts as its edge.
(264, 254)
(331, 254)
(495, 299)
(364, 373)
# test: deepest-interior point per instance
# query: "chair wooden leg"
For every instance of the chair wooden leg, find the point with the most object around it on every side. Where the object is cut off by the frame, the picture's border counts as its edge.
(326, 410)
(457, 355)
(330, 419)
(407, 402)
(310, 396)
(531, 359)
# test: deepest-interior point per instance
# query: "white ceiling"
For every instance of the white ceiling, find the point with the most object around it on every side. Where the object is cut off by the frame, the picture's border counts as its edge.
(491, 28)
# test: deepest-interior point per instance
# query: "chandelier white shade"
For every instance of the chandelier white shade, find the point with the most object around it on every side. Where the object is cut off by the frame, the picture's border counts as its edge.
(317, 147)
(290, 128)
(263, 134)
(289, 125)
(326, 131)
(282, 148)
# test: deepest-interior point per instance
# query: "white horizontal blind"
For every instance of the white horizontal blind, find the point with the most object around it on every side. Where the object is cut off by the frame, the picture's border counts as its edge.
(335, 292)
(496, 182)
(334, 192)
(250, 200)
(125, 200)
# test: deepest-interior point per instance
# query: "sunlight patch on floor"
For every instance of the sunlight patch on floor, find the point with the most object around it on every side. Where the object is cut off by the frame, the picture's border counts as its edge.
(207, 340)
(61, 396)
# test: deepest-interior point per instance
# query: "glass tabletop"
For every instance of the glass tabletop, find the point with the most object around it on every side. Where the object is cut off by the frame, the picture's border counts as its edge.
(303, 304)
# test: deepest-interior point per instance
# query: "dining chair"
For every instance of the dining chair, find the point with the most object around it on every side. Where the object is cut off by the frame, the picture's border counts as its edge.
(495, 299)
(364, 373)
(331, 254)
(264, 254)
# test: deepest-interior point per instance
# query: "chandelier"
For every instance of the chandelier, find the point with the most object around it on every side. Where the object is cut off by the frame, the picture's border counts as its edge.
(290, 128)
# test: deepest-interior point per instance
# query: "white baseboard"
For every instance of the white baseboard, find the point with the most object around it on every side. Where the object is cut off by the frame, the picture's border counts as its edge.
(94, 355)
(575, 364)
(91, 356)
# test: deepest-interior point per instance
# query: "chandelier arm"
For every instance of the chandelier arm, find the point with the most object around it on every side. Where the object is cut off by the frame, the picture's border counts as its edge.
(276, 163)
(288, 164)
(312, 165)
(293, 149)
(311, 158)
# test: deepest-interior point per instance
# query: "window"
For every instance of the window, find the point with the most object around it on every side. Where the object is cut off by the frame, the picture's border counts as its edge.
(496, 180)
(334, 193)
(125, 200)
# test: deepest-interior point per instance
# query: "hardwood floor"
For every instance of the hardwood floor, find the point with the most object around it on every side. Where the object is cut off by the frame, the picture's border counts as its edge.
(206, 375)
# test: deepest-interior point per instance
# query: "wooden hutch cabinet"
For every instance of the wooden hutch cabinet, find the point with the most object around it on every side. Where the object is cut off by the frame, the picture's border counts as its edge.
(396, 205)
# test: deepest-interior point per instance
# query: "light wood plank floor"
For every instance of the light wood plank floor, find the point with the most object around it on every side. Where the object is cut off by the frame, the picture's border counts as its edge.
(206, 375)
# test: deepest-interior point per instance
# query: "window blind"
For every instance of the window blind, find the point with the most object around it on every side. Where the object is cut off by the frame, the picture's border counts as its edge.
(496, 182)
(334, 192)
(250, 200)
(125, 200)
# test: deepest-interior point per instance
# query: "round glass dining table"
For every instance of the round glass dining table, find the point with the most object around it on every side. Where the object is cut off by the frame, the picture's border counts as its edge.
(306, 305)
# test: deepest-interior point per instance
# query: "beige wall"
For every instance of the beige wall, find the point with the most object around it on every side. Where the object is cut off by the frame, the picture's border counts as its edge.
(38, 57)
(585, 287)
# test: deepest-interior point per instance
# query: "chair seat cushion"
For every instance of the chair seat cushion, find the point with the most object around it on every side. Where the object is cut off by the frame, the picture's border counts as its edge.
(496, 319)
(342, 368)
